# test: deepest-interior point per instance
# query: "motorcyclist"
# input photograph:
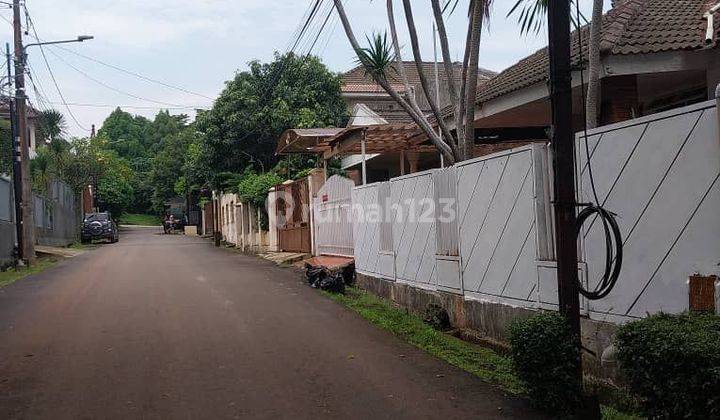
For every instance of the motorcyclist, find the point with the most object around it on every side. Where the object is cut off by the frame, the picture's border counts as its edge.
(168, 223)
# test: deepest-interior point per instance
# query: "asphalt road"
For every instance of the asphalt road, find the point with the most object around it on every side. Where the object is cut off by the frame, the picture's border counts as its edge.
(170, 327)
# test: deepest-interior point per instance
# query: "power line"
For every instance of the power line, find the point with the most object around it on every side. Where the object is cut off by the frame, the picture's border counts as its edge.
(132, 73)
(96, 105)
(322, 28)
(52, 75)
(114, 89)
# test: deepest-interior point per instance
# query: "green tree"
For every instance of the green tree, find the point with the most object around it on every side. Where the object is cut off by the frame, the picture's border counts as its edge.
(51, 125)
(92, 162)
(168, 166)
(125, 133)
(259, 104)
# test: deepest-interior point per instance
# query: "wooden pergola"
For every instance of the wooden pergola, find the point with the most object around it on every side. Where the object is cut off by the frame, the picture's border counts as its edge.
(329, 143)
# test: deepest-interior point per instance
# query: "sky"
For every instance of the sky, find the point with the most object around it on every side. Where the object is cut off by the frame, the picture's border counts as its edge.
(196, 45)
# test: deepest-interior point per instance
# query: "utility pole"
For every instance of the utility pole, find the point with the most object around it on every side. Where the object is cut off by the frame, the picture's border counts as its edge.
(17, 177)
(27, 251)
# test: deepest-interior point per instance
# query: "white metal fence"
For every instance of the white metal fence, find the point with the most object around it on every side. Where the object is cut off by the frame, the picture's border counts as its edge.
(659, 174)
(333, 217)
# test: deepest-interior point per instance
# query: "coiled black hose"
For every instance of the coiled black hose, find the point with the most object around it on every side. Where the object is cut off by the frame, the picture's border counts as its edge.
(613, 237)
(613, 250)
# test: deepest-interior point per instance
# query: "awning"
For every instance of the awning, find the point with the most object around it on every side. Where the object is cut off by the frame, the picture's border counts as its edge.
(304, 140)
(383, 138)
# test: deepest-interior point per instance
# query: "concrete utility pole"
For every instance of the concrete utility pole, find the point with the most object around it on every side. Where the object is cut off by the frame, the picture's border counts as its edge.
(27, 250)
(17, 177)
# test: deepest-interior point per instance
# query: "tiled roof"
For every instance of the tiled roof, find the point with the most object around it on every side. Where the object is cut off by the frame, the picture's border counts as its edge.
(5, 108)
(368, 88)
(633, 27)
(357, 76)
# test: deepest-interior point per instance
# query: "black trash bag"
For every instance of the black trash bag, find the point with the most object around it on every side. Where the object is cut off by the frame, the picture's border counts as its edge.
(348, 273)
(333, 283)
(314, 275)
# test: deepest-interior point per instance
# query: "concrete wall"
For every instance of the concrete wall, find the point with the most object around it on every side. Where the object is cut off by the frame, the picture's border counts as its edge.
(660, 174)
(7, 224)
(57, 216)
(239, 224)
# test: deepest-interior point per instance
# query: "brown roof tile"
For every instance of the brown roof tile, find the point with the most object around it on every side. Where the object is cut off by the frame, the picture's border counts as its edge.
(633, 27)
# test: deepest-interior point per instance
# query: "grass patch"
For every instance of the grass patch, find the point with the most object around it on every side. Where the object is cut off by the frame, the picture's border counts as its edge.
(139, 219)
(484, 363)
(12, 275)
(481, 362)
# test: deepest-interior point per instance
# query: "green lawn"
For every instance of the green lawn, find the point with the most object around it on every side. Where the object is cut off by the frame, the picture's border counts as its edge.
(139, 219)
(480, 361)
(12, 275)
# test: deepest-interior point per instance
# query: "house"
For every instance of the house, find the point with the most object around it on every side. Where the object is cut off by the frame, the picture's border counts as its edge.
(369, 104)
(656, 55)
(32, 115)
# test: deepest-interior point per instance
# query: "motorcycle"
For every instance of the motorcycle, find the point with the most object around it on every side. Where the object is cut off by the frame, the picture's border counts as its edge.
(170, 226)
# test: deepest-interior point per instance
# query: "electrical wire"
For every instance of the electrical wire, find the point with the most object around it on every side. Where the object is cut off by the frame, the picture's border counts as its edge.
(613, 236)
(52, 75)
(96, 105)
(132, 73)
(114, 89)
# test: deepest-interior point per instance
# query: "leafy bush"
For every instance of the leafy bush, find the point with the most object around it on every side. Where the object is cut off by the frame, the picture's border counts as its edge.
(673, 363)
(547, 361)
(253, 188)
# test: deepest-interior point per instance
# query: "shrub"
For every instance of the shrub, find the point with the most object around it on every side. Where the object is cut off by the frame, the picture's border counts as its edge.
(547, 361)
(673, 363)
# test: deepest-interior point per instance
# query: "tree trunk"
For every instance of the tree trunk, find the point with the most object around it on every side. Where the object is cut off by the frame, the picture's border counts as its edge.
(418, 118)
(434, 106)
(593, 98)
(473, 47)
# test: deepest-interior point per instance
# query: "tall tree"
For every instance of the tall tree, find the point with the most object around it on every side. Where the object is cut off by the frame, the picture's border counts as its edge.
(259, 104)
(378, 57)
(51, 125)
(125, 133)
(531, 15)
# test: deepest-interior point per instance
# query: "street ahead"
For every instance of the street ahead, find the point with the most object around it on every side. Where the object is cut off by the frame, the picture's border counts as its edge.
(170, 327)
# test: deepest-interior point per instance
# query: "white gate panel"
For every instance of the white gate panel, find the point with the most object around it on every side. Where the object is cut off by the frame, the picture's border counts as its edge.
(660, 175)
(412, 199)
(365, 229)
(333, 217)
(498, 234)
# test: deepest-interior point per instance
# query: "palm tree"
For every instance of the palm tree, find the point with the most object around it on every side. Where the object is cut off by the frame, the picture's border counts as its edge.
(531, 14)
(378, 57)
(51, 124)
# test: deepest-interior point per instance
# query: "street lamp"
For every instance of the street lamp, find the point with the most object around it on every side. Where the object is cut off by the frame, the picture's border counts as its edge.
(80, 38)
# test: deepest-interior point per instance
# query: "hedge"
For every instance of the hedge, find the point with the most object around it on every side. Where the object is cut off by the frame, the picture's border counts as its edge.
(547, 362)
(673, 363)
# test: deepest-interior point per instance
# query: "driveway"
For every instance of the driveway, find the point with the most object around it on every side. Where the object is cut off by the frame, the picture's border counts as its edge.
(162, 326)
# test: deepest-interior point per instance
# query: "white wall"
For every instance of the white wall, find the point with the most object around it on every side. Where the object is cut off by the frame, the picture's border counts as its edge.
(493, 203)
(660, 174)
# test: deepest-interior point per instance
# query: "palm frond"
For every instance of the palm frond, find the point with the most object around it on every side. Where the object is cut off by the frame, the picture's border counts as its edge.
(532, 13)
(378, 57)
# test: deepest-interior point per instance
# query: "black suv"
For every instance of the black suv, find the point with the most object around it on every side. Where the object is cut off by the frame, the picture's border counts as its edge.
(99, 226)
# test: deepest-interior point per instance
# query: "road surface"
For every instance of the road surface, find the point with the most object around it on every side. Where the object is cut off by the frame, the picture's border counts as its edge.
(170, 327)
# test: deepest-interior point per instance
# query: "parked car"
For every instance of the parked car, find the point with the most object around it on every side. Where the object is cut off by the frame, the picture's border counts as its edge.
(99, 226)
